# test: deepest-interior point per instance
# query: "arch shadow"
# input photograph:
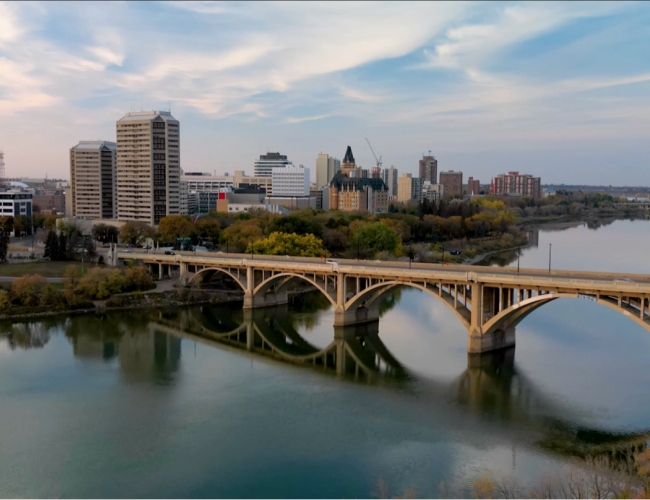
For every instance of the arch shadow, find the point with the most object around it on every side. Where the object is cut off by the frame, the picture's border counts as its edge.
(285, 280)
(211, 272)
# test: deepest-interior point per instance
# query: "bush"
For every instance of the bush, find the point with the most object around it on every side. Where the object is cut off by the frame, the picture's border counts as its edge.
(101, 283)
(5, 300)
(26, 290)
(138, 278)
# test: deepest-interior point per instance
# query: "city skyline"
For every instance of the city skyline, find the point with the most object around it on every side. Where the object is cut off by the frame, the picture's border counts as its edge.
(557, 90)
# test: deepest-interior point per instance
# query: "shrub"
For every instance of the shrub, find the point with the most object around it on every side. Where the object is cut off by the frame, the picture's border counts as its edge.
(26, 290)
(101, 283)
(138, 278)
(5, 300)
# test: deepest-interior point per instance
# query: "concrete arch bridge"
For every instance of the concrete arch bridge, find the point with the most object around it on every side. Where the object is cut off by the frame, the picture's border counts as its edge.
(489, 302)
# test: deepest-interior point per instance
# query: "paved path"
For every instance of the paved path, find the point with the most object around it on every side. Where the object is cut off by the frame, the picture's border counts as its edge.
(10, 279)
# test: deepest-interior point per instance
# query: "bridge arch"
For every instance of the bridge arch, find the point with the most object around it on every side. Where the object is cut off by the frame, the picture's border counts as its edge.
(285, 280)
(370, 297)
(514, 314)
(200, 276)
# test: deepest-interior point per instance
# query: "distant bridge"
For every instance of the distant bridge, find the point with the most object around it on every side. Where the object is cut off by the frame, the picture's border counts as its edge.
(489, 301)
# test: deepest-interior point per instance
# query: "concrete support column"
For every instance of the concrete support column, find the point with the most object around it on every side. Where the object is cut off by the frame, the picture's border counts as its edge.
(499, 339)
(642, 312)
(250, 287)
(160, 272)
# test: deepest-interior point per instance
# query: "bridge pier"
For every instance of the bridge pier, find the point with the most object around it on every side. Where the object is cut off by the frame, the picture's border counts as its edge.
(269, 299)
(357, 316)
(478, 343)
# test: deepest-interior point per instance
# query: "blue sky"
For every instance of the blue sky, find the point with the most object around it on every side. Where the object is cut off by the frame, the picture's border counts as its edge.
(560, 90)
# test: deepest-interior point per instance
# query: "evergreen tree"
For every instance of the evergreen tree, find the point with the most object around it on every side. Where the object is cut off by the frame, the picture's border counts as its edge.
(62, 250)
(51, 246)
(4, 244)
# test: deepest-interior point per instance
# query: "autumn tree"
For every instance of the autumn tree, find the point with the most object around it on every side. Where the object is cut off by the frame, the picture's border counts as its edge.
(175, 226)
(241, 234)
(26, 289)
(277, 243)
(374, 238)
(52, 246)
(136, 232)
(138, 278)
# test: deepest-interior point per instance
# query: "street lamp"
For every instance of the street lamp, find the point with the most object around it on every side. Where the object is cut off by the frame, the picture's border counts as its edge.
(518, 252)
(550, 245)
(410, 254)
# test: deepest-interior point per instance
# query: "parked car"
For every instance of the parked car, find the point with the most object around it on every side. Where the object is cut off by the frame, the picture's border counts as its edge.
(169, 252)
(455, 252)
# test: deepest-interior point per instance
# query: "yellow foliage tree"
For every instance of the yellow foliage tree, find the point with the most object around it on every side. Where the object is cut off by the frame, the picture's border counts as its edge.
(289, 244)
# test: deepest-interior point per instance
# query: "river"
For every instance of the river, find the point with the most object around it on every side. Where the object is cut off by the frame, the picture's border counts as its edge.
(135, 404)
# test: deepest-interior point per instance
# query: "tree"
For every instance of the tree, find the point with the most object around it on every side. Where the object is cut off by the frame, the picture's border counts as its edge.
(63, 252)
(135, 232)
(52, 246)
(295, 224)
(241, 234)
(50, 222)
(105, 233)
(278, 243)
(7, 224)
(26, 290)
(175, 226)
(69, 228)
(207, 229)
(376, 237)
(4, 244)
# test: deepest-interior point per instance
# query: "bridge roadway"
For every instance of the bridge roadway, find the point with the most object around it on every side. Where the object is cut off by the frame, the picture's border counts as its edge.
(489, 301)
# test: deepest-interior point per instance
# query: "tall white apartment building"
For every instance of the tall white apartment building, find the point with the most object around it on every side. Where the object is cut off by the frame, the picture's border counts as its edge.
(183, 193)
(269, 161)
(326, 169)
(389, 175)
(148, 166)
(290, 181)
(92, 180)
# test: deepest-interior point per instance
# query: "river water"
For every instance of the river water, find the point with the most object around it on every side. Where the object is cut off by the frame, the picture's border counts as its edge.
(134, 404)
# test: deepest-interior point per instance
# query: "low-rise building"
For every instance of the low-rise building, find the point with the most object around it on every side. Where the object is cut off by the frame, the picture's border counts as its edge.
(516, 184)
(352, 193)
(432, 192)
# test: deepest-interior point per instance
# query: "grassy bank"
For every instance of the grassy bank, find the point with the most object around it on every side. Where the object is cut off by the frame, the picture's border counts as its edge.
(44, 268)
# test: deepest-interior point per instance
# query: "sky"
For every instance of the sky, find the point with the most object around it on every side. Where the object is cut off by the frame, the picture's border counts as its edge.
(559, 90)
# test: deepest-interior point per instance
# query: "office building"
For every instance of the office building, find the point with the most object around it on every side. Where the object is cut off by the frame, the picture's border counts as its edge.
(409, 188)
(148, 166)
(317, 194)
(290, 181)
(14, 203)
(183, 208)
(204, 182)
(431, 192)
(428, 169)
(357, 193)
(326, 168)
(389, 175)
(473, 187)
(516, 184)
(265, 165)
(92, 180)
(375, 173)
(452, 183)
(241, 179)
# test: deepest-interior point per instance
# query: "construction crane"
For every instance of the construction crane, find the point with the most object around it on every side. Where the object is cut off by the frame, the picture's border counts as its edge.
(378, 160)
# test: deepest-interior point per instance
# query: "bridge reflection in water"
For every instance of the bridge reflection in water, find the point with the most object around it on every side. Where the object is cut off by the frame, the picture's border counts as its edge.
(490, 384)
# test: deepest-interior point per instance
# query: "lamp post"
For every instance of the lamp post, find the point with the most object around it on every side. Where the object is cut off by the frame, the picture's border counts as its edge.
(550, 245)
(443, 254)
(410, 254)
(518, 252)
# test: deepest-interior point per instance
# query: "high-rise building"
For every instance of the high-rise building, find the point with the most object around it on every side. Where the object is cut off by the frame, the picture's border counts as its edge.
(375, 172)
(452, 183)
(264, 166)
(290, 181)
(326, 169)
(516, 184)
(390, 179)
(473, 186)
(92, 180)
(349, 165)
(409, 188)
(429, 169)
(148, 166)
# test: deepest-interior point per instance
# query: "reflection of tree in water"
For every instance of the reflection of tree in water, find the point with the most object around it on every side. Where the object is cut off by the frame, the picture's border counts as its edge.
(27, 335)
(598, 223)
(390, 300)
(500, 259)
(305, 306)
